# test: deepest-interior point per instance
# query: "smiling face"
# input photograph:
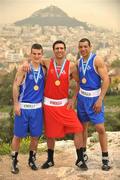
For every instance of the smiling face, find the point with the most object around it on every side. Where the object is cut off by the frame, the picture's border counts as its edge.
(59, 51)
(84, 49)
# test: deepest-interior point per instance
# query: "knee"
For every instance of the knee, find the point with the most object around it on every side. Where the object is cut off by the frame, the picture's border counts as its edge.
(34, 140)
(100, 130)
(15, 138)
(50, 139)
(85, 130)
(78, 135)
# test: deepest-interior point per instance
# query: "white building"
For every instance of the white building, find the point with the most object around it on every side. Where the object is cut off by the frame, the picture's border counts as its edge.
(13, 57)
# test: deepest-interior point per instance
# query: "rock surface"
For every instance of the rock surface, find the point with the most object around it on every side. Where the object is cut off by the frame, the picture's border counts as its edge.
(65, 157)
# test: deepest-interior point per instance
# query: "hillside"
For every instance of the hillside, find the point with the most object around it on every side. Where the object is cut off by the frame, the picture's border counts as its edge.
(51, 16)
(64, 168)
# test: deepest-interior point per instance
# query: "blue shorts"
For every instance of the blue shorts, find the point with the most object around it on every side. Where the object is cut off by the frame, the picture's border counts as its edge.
(30, 121)
(85, 110)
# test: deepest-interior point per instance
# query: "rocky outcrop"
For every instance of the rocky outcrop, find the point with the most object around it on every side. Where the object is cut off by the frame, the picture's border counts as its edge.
(65, 157)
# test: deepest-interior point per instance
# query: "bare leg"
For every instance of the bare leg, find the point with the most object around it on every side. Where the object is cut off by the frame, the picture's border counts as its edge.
(15, 143)
(50, 159)
(78, 140)
(15, 147)
(51, 143)
(102, 137)
(32, 153)
(33, 143)
(85, 134)
(103, 143)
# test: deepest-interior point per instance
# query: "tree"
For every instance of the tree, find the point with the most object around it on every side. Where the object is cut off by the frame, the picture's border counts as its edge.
(6, 88)
(116, 63)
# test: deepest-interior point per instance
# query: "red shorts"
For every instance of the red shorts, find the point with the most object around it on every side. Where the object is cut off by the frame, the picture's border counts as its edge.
(60, 121)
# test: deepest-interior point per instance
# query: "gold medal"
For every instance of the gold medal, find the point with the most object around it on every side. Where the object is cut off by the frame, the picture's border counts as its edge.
(57, 82)
(36, 87)
(84, 80)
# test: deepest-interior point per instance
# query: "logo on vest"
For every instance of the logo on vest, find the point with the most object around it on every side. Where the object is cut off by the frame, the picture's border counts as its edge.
(31, 77)
(40, 76)
(88, 67)
(63, 72)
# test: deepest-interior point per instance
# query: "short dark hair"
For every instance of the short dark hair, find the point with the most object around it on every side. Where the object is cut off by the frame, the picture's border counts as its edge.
(59, 42)
(36, 46)
(84, 40)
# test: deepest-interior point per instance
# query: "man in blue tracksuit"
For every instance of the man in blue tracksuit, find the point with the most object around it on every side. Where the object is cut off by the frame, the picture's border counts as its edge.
(92, 71)
(28, 91)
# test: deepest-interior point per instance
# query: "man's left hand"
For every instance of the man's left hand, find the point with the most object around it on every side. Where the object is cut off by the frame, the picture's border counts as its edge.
(97, 106)
(70, 104)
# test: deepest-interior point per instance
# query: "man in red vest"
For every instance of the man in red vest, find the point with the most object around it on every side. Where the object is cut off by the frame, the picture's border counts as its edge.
(59, 117)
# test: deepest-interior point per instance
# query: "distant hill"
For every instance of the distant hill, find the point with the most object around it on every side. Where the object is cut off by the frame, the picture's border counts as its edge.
(51, 16)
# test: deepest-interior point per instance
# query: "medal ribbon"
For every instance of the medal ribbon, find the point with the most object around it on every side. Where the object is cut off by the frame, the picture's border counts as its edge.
(61, 70)
(36, 78)
(84, 67)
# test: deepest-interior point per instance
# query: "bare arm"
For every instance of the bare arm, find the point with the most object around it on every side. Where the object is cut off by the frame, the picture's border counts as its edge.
(102, 71)
(25, 65)
(17, 82)
(74, 76)
(74, 71)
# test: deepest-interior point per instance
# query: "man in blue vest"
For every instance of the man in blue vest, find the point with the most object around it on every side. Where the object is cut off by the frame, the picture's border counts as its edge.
(28, 88)
(92, 71)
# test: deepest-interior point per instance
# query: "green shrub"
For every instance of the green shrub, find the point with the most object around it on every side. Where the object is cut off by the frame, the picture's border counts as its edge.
(24, 146)
(116, 63)
(112, 121)
(112, 101)
(4, 149)
(94, 138)
(25, 143)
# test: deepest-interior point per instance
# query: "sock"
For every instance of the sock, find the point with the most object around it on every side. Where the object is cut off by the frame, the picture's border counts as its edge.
(80, 154)
(105, 158)
(84, 149)
(50, 154)
(14, 155)
(32, 154)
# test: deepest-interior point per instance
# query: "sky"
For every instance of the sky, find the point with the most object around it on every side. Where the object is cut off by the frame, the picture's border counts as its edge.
(103, 13)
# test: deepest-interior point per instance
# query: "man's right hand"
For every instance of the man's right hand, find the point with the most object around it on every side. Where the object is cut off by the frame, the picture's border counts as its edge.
(25, 66)
(17, 109)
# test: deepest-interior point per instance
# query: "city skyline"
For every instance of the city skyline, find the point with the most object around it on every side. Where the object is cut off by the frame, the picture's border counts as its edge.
(103, 13)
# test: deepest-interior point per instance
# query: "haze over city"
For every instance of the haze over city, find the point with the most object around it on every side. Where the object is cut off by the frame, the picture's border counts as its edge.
(103, 13)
